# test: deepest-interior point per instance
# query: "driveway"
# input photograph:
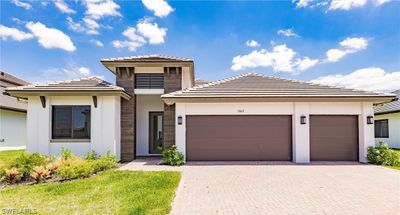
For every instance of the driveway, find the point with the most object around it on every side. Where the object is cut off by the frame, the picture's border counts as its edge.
(286, 188)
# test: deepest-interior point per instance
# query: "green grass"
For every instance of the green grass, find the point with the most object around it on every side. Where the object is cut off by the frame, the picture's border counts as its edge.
(7, 156)
(110, 192)
(393, 167)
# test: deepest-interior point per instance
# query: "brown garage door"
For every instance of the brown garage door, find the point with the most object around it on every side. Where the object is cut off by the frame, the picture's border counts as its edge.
(246, 138)
(334, 138)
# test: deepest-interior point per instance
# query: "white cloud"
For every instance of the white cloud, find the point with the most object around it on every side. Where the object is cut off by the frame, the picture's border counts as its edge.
(160, 7)
(334, 55)
(371, 79)
(50, 37)
(280, 59)
(18, 21)
(63, 7)
(381, 2)
(97, 9)
(97, 42)
(134, 40)
(60, 74)
(346, 5)
(19, 3)
(91, 26)
(13, 33)
(287, 32)
(151, 31)
(349, 45)
(305, 64)
(302, 3)
(354, 43)
(74, 26)
(252, 43)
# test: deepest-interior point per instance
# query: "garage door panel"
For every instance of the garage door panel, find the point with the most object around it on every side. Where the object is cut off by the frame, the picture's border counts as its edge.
(333, 138)
(238, 138)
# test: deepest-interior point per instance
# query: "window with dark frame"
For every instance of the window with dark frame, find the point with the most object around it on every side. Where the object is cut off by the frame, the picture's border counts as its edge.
(381, 128)
(70, 122)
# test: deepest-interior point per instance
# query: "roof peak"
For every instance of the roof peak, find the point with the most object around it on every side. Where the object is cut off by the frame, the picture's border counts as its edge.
(147, 57)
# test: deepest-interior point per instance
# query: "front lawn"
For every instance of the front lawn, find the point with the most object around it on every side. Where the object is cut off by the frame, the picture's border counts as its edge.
(8, 156)
(110, 192)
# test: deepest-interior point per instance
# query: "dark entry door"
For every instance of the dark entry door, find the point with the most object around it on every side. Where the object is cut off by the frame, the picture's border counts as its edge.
(156, 132)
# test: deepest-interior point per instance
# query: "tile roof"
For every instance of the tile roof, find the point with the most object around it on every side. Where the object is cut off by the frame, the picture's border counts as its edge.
(390, 107)
(148, 58)
(89, 84)
(9, 102)
(8, 80)
(257, 85)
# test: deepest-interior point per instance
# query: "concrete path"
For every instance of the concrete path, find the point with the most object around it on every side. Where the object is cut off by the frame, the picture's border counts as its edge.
(283, 188)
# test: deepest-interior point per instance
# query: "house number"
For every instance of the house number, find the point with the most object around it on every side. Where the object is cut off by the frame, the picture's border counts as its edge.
(241, 110)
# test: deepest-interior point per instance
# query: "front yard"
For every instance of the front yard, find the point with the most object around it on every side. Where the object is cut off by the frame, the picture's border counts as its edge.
(108, 192)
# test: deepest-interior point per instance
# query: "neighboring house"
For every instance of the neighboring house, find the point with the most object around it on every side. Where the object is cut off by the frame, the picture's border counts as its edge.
(200, 82)
(387, 122)
(12, 114)
(155, 103)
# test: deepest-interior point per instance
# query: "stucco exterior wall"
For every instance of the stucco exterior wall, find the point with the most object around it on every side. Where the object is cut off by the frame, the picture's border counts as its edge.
(12, 129)
(145, 104)
(394, 129)
(105, 125)
(301, 139)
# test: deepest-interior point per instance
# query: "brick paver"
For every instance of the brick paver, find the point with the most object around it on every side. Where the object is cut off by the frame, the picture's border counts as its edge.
(285, 188)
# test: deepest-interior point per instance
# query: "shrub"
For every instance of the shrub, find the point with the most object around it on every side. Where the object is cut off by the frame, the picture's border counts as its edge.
(74, 167)
(92, 155)
(40, 174)
(26, 162)
(12, 175)
(65, 153)
(382, 155)
(173, 157)
(53, 166)
(2, 173)
(104, 163)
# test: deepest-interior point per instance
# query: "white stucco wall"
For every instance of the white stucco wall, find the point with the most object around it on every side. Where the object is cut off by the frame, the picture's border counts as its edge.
(12, 129)
(394, 129)
(144, 105)
(301, 139)
(105, 125)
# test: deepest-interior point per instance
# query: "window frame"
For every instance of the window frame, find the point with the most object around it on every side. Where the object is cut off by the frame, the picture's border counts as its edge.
(71, 138)
(149, 80)
(379, 123)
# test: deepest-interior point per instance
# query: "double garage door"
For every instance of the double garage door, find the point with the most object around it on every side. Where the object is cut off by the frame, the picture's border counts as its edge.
(268, 138)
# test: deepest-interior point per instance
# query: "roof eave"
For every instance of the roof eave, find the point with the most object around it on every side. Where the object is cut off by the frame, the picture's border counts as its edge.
(25, 93)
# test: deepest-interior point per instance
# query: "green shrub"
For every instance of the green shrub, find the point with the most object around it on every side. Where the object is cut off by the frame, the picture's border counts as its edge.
(104, 163)
(92, 155)
(65, 153)
(74, 167)
(173, 157)
(2, 174)
(382, 155)
(26, 162)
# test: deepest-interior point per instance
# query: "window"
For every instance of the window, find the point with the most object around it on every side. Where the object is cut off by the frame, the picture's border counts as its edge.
(381, 128)
(149, 80)
(71, 122)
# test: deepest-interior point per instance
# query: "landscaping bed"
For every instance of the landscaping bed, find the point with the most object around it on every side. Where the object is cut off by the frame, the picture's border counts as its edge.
(109, 192)
(383, 155)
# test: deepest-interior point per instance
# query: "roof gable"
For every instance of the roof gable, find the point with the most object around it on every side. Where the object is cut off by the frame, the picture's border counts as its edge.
(148, 58)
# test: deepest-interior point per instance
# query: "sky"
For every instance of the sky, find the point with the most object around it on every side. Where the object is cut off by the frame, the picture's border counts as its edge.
(349, 43)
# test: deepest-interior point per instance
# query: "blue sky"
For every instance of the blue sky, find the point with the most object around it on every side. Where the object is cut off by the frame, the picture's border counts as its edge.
(354, 43)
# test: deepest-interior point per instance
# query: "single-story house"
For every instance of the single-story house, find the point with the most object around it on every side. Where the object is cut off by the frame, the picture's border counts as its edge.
(12, 114)
(387, 122)
(155, 103)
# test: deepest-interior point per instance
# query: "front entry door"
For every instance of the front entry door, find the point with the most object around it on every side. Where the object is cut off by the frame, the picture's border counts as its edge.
(156, 132)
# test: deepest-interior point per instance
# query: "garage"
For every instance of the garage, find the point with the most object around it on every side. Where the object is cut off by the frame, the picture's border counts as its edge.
(239, 138)
(333, 138)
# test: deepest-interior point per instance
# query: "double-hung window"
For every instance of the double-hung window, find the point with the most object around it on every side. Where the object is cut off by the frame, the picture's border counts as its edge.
(381, 128)
(70, 122)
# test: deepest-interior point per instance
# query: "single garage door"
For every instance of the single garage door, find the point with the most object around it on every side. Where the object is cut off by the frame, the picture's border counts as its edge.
(239, 138)
(334, 138)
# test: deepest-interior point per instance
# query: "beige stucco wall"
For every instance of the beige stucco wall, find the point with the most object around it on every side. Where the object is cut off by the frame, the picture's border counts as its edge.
(394, 129)
(12, 128)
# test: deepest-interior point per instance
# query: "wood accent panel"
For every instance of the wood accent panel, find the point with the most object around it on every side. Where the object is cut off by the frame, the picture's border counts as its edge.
(125, 79)
(172, 83)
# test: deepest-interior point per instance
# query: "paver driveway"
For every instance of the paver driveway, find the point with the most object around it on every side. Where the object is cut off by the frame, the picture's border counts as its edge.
(287, 189)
